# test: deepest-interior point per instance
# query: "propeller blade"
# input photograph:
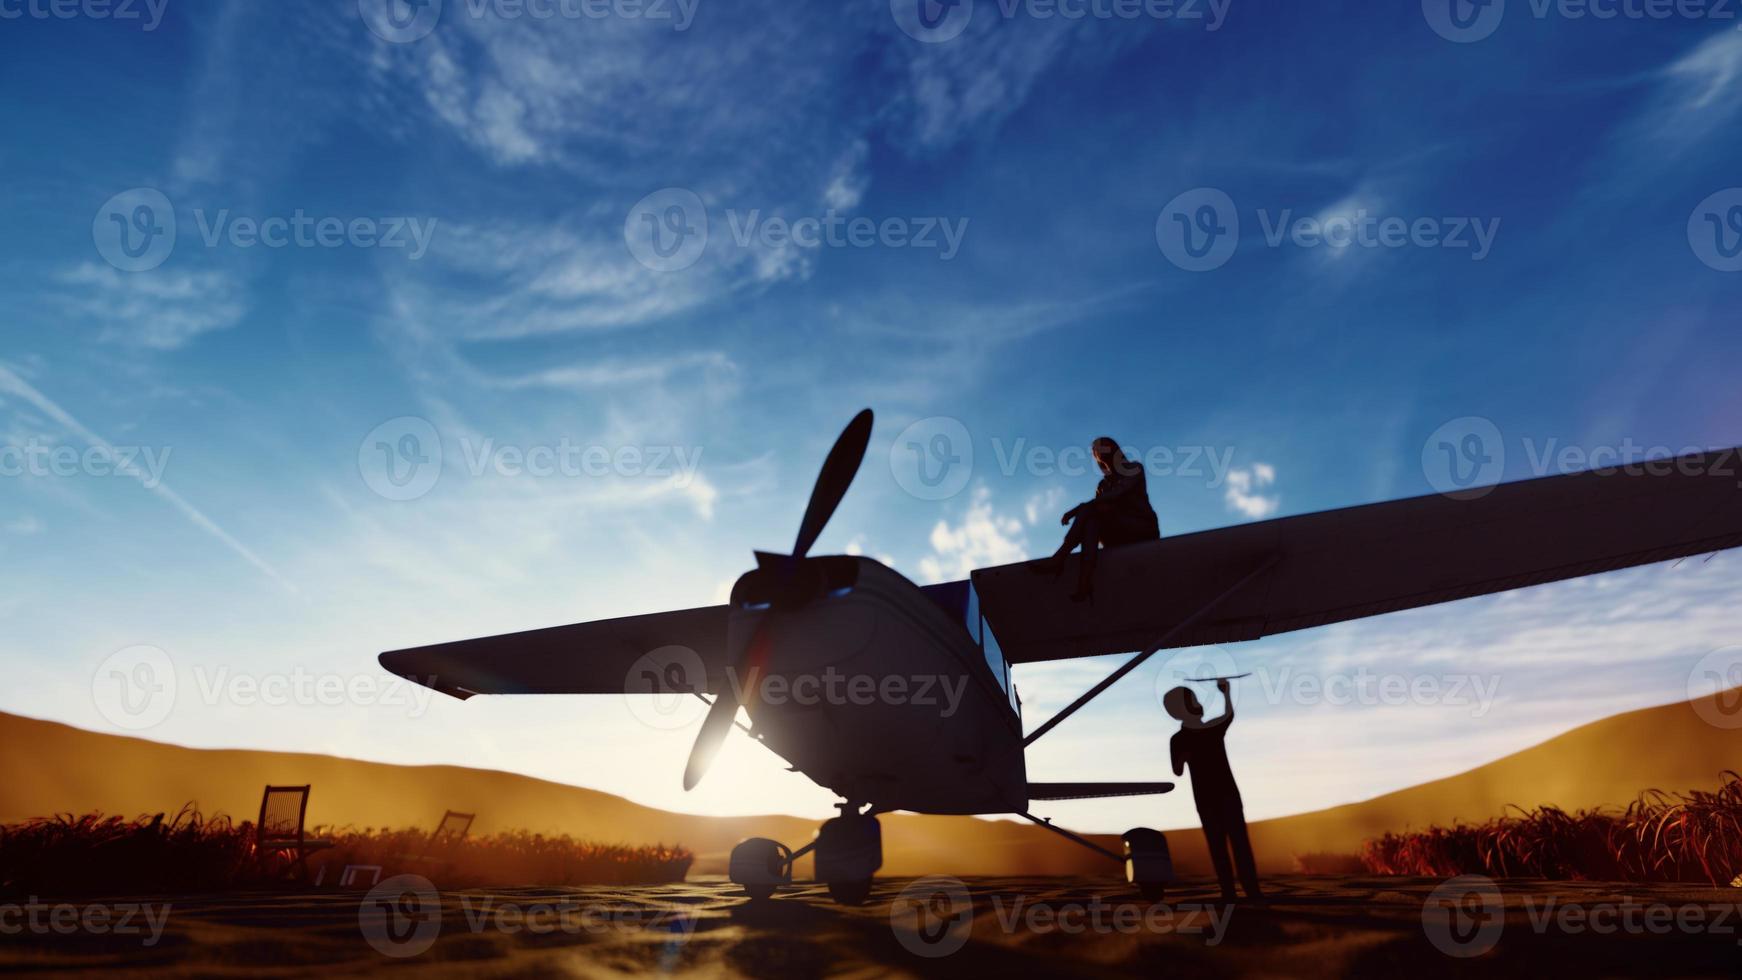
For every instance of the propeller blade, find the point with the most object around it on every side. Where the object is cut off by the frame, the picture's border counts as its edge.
(748, 662)
(713, 735)
(745, 665)
(832, 483)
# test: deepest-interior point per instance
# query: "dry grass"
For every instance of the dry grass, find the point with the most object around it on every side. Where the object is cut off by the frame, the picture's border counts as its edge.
(1679, 837)
(190, 852)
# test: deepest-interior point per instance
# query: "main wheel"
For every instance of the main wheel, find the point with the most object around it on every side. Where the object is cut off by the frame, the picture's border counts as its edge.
(1148, 865)
(850, 892)
(760, 865)
(849, 851)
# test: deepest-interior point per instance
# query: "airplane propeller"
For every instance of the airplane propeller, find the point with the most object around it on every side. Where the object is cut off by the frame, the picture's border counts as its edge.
(747, 661)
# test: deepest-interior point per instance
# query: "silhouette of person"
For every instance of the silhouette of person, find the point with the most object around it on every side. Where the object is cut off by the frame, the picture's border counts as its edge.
(1120, 514)
(1200, 745)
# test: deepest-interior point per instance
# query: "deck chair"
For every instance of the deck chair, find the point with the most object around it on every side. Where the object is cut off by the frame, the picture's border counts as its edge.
(453, 828)
(281, 830)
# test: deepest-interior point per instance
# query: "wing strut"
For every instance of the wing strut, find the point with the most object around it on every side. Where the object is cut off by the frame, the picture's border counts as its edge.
(1137, 661)
(1077, 838)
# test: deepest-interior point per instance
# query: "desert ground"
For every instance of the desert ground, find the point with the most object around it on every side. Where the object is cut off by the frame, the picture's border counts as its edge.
(1310, 926)
(59, 769)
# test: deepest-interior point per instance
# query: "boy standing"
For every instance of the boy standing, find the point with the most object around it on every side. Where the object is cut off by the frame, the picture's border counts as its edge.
(1200, 745)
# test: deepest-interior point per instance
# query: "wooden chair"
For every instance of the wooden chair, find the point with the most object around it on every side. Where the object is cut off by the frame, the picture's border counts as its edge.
(281, 830)
(453, 828)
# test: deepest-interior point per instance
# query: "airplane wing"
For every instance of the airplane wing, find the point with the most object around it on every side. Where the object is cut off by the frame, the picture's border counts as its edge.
(1339, 565)
(1094, 791)
(604, 657)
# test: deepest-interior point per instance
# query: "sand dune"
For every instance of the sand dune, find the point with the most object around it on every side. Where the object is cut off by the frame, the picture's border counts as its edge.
(1605, 763)
(50, 768)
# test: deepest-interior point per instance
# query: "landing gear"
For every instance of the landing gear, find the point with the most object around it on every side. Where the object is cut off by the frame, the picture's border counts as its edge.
(1148, 865)
(849, 851)
(760, 865)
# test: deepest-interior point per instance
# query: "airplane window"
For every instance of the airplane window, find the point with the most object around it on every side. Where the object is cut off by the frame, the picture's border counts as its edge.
(994, 656)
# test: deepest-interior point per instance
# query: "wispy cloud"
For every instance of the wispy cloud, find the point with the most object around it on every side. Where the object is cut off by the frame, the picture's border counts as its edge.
(12, 384)
(160, 310)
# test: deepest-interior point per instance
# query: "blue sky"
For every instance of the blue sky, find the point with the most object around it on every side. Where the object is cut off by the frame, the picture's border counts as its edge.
(253, 385)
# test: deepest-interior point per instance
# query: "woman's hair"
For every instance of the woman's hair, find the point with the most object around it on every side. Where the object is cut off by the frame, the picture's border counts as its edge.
(1107, 446)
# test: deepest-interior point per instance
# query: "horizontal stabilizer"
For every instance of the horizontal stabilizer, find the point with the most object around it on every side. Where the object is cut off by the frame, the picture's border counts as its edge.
(1094, 791)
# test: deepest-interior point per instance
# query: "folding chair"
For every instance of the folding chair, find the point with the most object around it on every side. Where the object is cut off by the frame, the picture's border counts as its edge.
(281, 830)
(450, 831)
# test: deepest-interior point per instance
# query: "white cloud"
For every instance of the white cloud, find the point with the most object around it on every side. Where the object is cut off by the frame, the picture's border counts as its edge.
(984, 537)
(22, 526)
(1243, 496)
(1042, 506)
(849, 180)
(161, 309)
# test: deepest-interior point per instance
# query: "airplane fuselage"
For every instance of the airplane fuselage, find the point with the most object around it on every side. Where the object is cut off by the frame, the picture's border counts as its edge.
(887, 694)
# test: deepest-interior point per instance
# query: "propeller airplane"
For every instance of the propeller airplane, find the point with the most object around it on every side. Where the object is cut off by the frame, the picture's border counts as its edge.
(797, 617)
